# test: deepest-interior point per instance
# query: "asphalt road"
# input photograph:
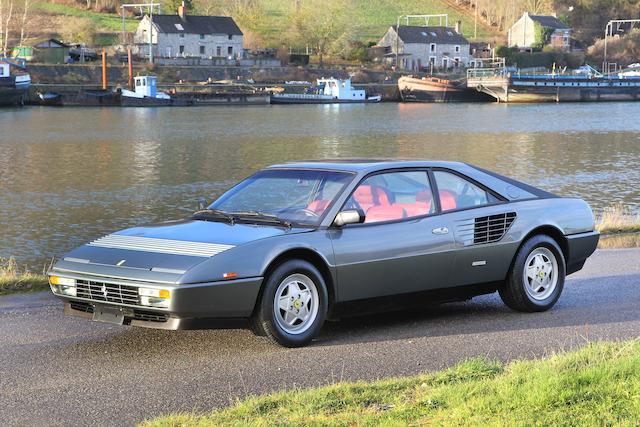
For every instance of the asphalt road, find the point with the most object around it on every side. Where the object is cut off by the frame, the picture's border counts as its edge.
(56, 370)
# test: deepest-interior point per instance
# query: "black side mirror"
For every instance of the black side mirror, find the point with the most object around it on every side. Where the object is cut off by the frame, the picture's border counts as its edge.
(202, 203)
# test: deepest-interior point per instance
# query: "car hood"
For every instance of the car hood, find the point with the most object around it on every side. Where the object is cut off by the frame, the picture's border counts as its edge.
(165, 248)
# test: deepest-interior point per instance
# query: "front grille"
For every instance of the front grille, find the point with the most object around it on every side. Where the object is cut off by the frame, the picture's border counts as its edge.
(488, 229)
(107, 292)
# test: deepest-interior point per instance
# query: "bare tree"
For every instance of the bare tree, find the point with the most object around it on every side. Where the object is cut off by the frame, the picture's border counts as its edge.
(23, 24)
(5, 24)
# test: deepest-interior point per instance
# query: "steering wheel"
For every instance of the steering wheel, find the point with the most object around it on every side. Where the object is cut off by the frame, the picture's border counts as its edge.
(308, 212)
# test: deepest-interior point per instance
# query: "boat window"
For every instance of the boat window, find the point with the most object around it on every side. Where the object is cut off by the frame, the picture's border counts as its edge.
(456, 192)
(393, 196)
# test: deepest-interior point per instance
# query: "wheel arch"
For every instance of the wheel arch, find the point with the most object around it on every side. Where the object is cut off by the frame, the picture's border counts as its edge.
(551, 231)
(305, 254)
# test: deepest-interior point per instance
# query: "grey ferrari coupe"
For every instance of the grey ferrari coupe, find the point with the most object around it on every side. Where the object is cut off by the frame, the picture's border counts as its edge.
(295, 244)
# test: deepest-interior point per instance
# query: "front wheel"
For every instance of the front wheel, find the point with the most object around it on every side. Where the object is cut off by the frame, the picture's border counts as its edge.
(293, 306)
(536, 278)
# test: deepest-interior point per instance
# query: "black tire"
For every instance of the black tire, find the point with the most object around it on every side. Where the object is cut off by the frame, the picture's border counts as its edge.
(516, 292)
(264, 321)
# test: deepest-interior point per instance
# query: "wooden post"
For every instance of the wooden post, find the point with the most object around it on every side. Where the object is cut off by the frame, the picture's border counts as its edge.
(104, 70)
(130, 68)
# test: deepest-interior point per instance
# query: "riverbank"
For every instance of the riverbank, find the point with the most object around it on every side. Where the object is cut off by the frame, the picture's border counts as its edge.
(596, 385)
(14, 279)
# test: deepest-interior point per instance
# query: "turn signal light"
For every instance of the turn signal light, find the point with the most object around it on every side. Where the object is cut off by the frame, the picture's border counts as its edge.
(63, 281)
(229, 275)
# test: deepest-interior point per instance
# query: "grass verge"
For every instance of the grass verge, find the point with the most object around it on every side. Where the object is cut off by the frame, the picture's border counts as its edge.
(103, 21)
(598, 384)
(618, 219)
(14, 279)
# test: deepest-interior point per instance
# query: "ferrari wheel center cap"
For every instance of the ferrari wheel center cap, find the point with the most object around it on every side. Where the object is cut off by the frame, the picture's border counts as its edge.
(297, 304)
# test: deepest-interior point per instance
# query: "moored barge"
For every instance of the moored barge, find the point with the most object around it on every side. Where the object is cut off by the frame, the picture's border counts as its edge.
(434, 89)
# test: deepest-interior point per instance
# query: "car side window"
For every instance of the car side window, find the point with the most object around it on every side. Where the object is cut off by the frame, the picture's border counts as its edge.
(393, 196)
(459, 193)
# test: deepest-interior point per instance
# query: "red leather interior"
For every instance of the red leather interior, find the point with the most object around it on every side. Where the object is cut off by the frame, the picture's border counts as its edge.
(368, 195)
(385, 213)
(318, 206)
(447, 200)
(415, 209)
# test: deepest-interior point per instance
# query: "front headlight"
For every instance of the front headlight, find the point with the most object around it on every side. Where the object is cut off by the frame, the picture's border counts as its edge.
(153, 297)
(63, 285)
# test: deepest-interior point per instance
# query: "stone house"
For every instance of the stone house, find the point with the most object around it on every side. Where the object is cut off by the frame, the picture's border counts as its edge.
(185, 35)
(539, 30)
(423, 48)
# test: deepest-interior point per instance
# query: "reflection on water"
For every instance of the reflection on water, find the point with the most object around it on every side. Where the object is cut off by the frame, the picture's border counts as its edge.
(69, 175)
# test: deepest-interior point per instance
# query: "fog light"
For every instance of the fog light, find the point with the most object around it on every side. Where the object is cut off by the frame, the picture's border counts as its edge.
(152, 297)
(63, 285)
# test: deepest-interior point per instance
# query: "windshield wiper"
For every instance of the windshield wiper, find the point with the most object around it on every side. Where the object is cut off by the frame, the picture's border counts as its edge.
(208, 214)
(261, 216)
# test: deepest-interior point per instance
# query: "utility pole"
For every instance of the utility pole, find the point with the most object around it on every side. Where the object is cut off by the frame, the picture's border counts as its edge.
(475, 22)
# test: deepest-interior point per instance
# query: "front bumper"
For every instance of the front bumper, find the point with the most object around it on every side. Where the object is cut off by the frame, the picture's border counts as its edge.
(579, 248)
(192, 306)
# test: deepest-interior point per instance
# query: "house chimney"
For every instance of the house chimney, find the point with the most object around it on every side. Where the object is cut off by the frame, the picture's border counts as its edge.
(458, 27)
(182, 11)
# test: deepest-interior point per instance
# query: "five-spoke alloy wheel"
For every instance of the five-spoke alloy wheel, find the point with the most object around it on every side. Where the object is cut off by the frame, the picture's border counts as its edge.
(536, 278)
(293, 305)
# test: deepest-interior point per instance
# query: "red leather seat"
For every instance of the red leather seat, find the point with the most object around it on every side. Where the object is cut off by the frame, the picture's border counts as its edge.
(368, 195)
(448, 200)
(318, 206)
(385, 213)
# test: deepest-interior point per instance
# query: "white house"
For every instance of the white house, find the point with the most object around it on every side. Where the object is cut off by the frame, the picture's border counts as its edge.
(421, 48)
(185, 35)
(529, 30)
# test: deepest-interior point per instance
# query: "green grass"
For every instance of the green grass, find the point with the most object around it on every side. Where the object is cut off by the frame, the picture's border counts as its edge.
(596, 385)
(14, 279)
(373, 16)
(103, 21)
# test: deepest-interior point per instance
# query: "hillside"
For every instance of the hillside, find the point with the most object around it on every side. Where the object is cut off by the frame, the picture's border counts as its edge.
(370, 18)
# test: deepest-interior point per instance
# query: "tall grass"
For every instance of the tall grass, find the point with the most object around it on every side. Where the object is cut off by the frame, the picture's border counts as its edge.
(617, 219)
(16, 279)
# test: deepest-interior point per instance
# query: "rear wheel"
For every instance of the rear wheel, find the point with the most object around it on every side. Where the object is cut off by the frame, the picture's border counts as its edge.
(536, 278)
(293, 306)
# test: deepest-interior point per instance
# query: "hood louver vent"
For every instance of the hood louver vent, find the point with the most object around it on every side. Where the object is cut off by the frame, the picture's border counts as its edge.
(485, 229)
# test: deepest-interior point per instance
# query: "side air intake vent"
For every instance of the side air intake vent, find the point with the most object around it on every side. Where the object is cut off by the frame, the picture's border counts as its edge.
(488, 229)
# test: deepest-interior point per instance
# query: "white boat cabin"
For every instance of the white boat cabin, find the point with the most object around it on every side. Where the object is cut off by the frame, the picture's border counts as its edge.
(5, 70)
(340, 89)
(146, 86)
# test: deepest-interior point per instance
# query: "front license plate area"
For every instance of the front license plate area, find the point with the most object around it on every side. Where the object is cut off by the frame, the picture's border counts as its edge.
(106, 314)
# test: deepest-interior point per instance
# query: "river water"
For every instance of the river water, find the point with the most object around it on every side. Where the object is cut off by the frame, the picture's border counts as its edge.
(69, 175)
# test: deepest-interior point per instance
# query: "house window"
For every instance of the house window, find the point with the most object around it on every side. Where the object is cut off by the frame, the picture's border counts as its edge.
(432, 48)
(218, 51)
(181, 35)
(230, 50)
(445, 62)
(457, 48)
(201, 36)
(181, 49)
(456, 62)
(230, 36)
(432, 61)
(201, 50)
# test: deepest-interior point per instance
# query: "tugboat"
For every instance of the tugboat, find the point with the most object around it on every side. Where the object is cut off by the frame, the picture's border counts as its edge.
(327, 91)
(145, 95)
(434, 89)
(14, 86)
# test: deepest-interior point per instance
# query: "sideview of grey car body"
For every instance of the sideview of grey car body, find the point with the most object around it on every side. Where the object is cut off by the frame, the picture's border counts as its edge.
(289, 246)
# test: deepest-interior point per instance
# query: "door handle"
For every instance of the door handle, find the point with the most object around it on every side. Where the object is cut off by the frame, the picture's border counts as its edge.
(440, 230)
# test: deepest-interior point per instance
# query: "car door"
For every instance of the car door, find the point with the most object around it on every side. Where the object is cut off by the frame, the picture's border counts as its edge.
(479, 219)
(402, 246)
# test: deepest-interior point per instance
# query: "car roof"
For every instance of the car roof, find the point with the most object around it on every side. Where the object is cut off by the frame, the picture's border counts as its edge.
(366, 165)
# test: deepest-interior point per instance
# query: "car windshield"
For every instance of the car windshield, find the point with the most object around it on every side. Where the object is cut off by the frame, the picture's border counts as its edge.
(299, 196)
